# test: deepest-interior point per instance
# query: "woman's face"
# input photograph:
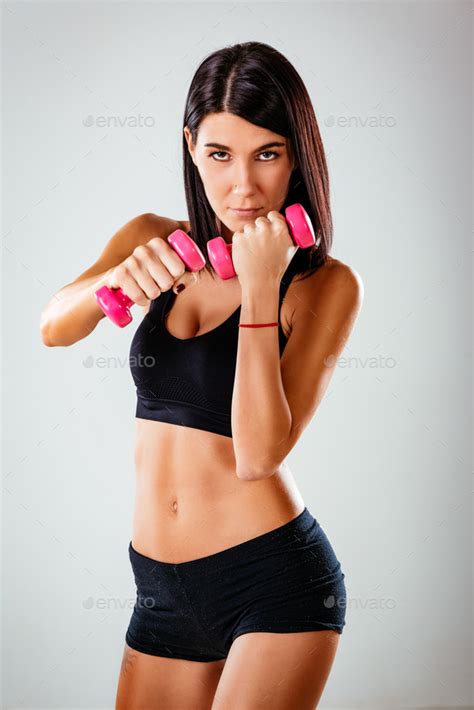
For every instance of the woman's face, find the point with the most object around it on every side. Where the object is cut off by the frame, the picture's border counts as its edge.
(236, 172)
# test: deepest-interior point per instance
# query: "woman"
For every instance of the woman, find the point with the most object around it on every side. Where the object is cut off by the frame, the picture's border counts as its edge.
(240, 596)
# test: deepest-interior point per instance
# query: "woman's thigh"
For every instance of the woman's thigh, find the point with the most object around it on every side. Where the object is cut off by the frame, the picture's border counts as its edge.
(276, 671)
(148, 682)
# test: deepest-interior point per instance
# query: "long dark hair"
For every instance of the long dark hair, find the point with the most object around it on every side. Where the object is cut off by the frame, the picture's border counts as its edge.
(256, 82)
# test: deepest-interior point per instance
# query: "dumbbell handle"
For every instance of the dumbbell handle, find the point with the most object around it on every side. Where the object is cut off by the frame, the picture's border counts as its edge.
(116, 304)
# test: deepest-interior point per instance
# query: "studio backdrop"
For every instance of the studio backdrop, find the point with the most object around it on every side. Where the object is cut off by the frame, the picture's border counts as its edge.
(93, 98)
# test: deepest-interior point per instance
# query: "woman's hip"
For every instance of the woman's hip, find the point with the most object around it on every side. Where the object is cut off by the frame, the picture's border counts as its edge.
(289, 575)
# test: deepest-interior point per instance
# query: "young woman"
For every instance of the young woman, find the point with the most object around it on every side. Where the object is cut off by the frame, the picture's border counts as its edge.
(240, 595)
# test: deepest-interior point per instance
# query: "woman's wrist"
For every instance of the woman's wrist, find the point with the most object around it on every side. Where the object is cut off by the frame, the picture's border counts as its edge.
(260, 305)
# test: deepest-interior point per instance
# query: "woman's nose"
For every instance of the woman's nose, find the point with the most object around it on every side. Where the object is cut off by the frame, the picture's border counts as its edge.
(243, 182)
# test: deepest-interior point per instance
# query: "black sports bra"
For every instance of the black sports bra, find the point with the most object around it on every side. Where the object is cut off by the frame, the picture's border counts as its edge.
(189, 381)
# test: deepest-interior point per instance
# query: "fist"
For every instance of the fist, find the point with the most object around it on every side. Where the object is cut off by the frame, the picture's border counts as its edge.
(263, 249)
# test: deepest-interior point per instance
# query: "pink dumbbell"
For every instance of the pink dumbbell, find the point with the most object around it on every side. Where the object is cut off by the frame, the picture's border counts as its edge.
(116, 304)
(300, 228)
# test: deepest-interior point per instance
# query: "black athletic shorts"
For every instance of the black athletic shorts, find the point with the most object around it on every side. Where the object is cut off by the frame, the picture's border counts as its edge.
(288, 579)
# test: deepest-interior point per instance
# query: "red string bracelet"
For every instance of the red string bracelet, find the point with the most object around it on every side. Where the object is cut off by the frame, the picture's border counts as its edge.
(255, 325)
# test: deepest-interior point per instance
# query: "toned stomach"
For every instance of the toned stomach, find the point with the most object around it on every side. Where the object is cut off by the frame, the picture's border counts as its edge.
(189, 502)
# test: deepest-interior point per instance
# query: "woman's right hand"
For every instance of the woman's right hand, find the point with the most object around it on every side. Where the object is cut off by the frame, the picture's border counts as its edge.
(150, 269)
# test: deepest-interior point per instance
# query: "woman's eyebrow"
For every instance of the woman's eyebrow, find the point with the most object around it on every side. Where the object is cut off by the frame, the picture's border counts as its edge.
(262, 147)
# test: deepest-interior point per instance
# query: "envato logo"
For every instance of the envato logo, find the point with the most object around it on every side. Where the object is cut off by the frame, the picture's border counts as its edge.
(112, 361)
(357, 603)
(119, 121)
(113, 603)
(360, 121)
(379, 362)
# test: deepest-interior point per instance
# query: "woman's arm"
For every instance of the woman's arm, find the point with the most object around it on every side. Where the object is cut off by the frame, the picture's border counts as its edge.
(273, 400)
(73, 312)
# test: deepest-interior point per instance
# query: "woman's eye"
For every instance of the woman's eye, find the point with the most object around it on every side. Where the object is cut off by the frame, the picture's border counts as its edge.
(220, 152)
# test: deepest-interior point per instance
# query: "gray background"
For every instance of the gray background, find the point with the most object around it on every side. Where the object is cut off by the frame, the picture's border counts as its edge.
(384, 465)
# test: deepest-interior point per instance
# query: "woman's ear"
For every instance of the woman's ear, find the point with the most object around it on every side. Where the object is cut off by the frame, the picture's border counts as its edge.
(189, 141)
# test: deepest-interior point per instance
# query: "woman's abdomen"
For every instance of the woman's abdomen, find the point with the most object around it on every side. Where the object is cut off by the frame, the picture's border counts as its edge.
(189, 502)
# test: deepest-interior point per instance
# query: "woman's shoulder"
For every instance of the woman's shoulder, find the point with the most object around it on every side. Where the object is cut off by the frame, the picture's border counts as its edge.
(333, 279)
(337, 269)
(159, 225)
(334, 285)
(333, 271)
(341, 285)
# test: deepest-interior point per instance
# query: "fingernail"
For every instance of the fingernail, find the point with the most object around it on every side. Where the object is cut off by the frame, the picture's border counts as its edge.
(179, 288)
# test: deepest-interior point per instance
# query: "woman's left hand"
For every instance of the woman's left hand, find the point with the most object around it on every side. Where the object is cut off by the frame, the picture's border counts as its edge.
(262, 251)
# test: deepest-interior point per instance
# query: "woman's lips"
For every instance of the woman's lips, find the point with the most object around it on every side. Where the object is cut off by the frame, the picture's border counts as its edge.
(245, 213)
